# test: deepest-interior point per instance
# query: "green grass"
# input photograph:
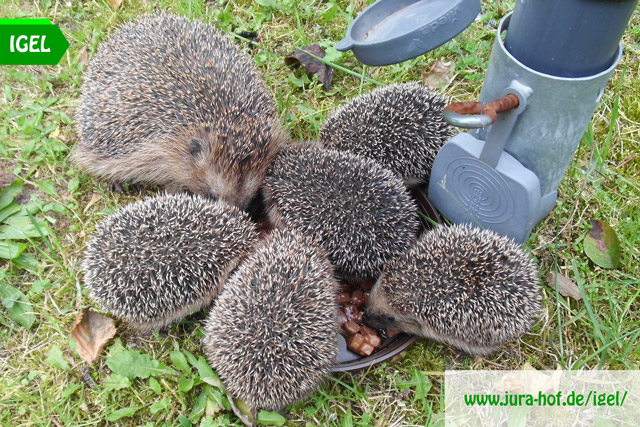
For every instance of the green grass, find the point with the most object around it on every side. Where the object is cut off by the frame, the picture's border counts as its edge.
(42, 375)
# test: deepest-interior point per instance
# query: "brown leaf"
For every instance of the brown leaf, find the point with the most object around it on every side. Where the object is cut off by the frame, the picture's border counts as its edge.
(311, 64)
(566, 287)
(94, 199)
(529, 380)
(114, 4)
(439, 75)
(91, 331)
(83, 56)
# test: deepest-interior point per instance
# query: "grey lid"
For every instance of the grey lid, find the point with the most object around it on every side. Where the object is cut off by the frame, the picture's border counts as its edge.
(392, 31)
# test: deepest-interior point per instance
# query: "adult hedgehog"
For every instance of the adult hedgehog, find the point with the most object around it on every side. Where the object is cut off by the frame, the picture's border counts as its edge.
(173, 102)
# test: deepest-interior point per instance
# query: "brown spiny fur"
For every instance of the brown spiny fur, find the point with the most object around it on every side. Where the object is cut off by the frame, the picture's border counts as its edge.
(173, 102)
(467, 287)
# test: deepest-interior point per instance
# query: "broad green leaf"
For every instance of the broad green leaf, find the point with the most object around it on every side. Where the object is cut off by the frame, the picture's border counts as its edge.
(17, 304)
(159, 405)
(9, 210)
(48, 187)
(197, 411)
(21, 227)
(270, 418)
(185, 384)
(133, 364)
(9, 193)
(11, 250)
(601, 244)
(155, 386)
(206, 373)
(121, 413)
(180, 361)
(26, 262)
(422, 382)
(116, 382)
(73, 185)
(184, 421)
(269, 3)
(56, 358)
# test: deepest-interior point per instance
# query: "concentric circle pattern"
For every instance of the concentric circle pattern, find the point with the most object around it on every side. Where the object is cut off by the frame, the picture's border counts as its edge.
(481, 189)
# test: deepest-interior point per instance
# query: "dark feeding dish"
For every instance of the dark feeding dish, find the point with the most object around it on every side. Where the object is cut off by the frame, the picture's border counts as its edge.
(390, 346)
(392, 31)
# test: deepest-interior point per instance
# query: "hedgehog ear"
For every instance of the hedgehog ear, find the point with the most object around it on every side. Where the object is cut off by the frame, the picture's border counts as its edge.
(195, 146)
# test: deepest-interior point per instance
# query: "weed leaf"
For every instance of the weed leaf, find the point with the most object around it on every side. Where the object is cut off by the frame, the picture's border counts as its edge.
(11, 250)
(116, 382)
(17, 304)
(133, 364)
(56, 358)
(270, 418)
(180, 361)
(21, 228)
(122, 413)
(8, 211)
(155, 386)
(91, 331)
(9, 193)
(159, 405)
(601, 244)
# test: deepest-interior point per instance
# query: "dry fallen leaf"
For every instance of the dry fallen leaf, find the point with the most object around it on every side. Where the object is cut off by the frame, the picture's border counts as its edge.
(91, 331)
(94, 198)
(83, 56)
(439, 75)
(311, 64)
(529, 380)
(566, 287)
(114, 4)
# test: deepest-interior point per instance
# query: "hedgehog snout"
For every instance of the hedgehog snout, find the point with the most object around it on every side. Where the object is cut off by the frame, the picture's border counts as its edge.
(379, 321)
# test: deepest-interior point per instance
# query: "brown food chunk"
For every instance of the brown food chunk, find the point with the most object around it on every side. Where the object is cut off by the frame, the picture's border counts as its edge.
(352, 327)
(366, 330)
(355, 342)
(357, 298)
(366, 298)
(342, 317)
(367, 285)
(352, 312)
(374, 340)
(366, 349)
(343, 298)
(391, 333)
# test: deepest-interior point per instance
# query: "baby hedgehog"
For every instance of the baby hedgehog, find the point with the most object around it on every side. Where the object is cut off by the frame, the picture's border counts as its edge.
(172, 102)
(400, 126)
(360, 212)
(272, 334)
(463, 286)
(156, 260)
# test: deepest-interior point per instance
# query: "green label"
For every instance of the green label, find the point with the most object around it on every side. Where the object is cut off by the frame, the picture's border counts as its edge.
(31, 42)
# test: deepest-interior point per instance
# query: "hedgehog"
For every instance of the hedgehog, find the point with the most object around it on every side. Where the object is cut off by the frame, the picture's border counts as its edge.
(358, 211)
(156, 260)
(272, 334)
(400, 126)
(467, 287)
(171, 102)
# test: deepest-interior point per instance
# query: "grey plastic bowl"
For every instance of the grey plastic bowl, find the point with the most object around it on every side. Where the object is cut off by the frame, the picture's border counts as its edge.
(392, 31)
